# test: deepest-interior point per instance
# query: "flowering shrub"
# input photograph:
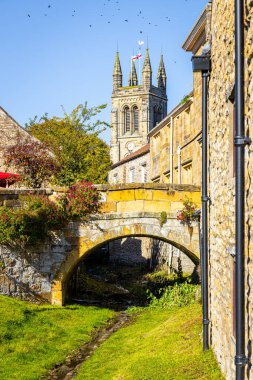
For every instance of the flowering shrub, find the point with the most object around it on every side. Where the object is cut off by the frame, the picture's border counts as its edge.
(82, 199)
(33, 161)
(186, 215)
(31, 223)
(38, 216)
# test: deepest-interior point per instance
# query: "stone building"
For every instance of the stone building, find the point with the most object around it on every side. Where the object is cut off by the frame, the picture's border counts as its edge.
(11, 133)
(133, 168)
(221, 178)
(175, 146)
(136, 108)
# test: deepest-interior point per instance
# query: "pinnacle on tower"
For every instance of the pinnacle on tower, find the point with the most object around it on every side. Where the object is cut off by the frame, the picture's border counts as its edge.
(147, 71)
(133, 79)
(161, 75)
(117, 73)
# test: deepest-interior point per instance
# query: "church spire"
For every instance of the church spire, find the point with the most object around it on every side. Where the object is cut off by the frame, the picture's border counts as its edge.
(161, 75)
(147, 71)
(133, 80)
(117, 73)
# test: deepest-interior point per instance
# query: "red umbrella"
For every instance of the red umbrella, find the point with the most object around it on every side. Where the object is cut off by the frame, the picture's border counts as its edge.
(8, 179)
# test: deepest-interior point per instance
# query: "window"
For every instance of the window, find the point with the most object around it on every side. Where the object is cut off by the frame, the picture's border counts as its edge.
(126, 119)
(115, 178)
(155, 116)
(136, 119)
(144, 173)
(160, 114)
(131, 175)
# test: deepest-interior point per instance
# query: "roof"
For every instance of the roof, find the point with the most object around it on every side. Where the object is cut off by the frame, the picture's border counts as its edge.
(197, 35)
(138, 153)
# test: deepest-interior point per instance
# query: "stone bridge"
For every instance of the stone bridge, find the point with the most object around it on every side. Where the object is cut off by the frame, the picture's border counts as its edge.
(126, 211)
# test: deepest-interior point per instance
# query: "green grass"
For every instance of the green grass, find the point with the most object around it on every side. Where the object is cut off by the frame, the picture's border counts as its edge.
(161, 344)
(34, 338)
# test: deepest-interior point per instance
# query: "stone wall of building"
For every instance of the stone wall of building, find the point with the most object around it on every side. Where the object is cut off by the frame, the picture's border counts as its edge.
(133, 169)
(152, 253)
(175, 149)
(11, 133)
(222, 185)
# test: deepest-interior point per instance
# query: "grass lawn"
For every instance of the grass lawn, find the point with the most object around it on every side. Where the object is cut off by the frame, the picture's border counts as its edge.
(34, 338)
(161, 344)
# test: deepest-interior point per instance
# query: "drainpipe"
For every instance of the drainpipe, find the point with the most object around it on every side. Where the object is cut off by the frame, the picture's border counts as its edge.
(171, 150)
(240, 141)
(203, 63)
(179, 164)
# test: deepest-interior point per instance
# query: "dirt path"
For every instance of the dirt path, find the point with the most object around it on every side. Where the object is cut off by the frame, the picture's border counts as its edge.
(68, 369)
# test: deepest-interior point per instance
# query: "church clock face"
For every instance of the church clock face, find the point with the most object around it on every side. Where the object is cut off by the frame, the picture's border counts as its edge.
(130, 146)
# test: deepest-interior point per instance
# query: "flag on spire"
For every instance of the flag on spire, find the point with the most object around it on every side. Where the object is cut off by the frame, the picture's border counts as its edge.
(137, 56)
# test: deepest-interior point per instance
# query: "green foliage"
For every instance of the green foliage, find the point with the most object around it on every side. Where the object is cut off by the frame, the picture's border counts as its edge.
(33, 161)
(31, 223)
(185, 99)
(38, 217)
(186, 215)
(36, 338)
(163, 218)
(74, 140)
(176, 295)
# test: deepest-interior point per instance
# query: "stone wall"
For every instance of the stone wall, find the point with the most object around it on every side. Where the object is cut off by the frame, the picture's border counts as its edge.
(28, 274)
(139, 165)
(175, 150)
(222, 185)
(152, 253)
(11, 133)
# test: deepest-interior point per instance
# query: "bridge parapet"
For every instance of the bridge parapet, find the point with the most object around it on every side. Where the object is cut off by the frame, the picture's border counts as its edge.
(146, 197)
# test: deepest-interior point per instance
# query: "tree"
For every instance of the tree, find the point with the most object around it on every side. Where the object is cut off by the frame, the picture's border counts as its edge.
(74, 140)
(33, 161)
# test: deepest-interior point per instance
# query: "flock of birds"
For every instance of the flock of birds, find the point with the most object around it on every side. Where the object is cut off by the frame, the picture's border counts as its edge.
(126, 20)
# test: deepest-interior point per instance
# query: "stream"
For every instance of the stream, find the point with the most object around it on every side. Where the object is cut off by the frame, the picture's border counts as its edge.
(68, 369)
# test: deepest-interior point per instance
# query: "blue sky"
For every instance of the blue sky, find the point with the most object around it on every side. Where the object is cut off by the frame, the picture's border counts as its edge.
(62, 52)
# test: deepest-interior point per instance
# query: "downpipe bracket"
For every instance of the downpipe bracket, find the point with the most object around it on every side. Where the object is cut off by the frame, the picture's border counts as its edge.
(242, 140)
(205, 199)
(206, 321)
(241, 360)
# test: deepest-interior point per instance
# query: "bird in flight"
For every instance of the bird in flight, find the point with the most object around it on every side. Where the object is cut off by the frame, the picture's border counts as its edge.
(49, 6)
(28, 15)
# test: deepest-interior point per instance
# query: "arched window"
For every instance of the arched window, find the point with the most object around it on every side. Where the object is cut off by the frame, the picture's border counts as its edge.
(136, 118)
(155, 116)
(160, 114)
(126, 119)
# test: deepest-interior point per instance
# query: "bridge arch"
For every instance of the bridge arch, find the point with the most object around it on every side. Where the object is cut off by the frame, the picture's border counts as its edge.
(86, 238)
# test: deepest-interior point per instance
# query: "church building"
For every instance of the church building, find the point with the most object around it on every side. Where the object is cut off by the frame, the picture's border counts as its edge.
(136, 108)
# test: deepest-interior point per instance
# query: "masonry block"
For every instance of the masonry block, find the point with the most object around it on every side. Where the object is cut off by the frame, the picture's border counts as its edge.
(122, 195)
(131, 206)
(143, 194)
(156, 206)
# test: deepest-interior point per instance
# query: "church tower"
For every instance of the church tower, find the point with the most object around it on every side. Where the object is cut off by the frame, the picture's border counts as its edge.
(136, 108)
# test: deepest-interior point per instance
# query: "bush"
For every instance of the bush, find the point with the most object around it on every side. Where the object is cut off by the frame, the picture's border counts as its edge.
(33, 161)
(81, 200)
(31, 223)
(176, 295)
(38, 217)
